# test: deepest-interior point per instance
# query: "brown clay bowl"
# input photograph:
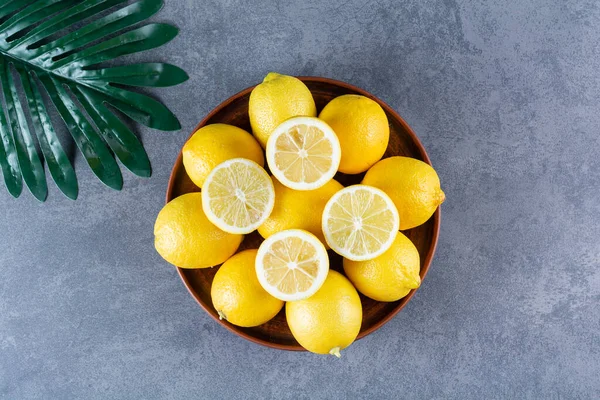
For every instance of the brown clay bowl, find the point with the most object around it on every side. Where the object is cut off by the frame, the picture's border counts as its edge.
(403, 141)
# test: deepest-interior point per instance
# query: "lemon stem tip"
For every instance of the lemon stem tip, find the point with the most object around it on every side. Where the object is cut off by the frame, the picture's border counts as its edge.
(416, 283)
(221, 315)
(270, 76)
(441, 196)
(335, 352)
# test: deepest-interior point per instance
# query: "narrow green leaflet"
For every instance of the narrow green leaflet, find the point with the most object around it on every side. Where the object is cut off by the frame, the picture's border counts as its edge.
(149, 74)
(31, 167)
(56, 49)
(59, 165)
(9, 159)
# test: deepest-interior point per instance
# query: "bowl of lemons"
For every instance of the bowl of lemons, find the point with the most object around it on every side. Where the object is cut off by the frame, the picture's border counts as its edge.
(302, 214)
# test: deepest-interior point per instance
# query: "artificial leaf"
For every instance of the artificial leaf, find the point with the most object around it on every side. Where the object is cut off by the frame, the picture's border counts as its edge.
(57, 47)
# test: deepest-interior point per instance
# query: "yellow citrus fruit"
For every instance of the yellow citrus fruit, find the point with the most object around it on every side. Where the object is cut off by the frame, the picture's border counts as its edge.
(362, 128)
(292, 265)
(187, 239)
(213, 144)
(237, 295)
(329, 320)
(277, 98)
(238, 196)
(413, 186)
(360, 222)
(303, 153)
(300, 209)
(390, 276)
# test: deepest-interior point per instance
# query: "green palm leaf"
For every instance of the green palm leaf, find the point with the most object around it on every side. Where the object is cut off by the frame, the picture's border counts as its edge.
(44, 48)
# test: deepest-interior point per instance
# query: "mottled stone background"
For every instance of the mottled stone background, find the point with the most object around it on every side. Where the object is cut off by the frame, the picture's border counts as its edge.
(505, 97)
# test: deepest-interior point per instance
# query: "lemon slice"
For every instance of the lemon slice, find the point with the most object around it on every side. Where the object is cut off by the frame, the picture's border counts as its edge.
(303, 153)
(360, 222)
(238, 196)
(292, 265)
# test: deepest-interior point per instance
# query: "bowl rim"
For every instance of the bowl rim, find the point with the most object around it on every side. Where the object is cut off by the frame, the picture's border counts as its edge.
(436, 216)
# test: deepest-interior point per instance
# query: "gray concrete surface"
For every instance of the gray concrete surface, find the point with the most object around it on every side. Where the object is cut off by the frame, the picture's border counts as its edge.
(504, 96)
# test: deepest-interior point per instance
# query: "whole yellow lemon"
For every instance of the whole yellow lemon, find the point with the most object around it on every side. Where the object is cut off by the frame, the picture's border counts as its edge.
(187, 239)
(413, 186)
(213, 144)
(277, 98)
(362, 128)
(237, 295)
(390, 276)
(330, 319)
(298, 209)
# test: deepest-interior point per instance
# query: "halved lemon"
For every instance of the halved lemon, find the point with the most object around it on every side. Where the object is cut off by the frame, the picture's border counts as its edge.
(238, 196)
(303, 153)
(292, 265)
(360, 222)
